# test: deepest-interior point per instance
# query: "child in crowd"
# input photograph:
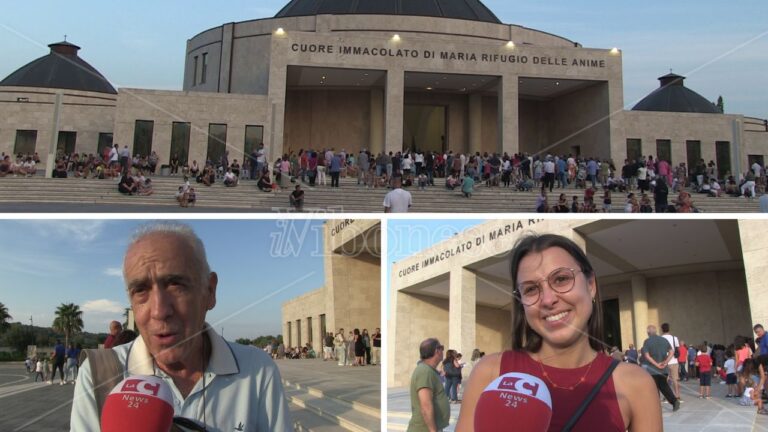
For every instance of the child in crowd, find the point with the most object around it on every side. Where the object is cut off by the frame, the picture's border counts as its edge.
(751, 397)
(730, 374)
(191, 197)
(704, 363)
(422, 181)
(607, 201)
(39, 370)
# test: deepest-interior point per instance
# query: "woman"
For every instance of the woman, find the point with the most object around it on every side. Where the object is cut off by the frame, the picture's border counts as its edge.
(557, 336)
(264, 184)
(359, 348)
(452, 376)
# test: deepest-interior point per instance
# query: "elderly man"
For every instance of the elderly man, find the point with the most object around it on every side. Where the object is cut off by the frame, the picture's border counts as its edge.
(215, 384)
(114, 330)
(430, 408)
(656, 355)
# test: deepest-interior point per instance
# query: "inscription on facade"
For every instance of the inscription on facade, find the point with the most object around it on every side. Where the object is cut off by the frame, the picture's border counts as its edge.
(451, 56)
(340, 226)
(495, 234)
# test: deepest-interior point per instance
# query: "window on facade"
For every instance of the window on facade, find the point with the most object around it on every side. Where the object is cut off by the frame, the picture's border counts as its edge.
(194, 72)
(142, 137)
(634, 149)
(180, 141)
(105, 142)
(25, 142)
(323, 328)
(723, 156)
(204, 71)
(66, 143)
(309, 329)
(254, 135)
(692, 154)
(664, 150)
(298, 333)
(290, 334)
(217, 142)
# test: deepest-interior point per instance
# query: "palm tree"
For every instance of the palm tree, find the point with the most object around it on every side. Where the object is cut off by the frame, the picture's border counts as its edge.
(4, 317)
(69, 320)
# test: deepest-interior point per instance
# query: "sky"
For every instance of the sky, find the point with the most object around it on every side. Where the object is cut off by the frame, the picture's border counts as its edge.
(260, 265)
(720, 46)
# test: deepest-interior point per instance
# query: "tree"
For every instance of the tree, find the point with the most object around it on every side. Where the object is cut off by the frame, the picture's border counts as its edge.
(19, 338)
(4, 317)
(69, 320)
(720, 104)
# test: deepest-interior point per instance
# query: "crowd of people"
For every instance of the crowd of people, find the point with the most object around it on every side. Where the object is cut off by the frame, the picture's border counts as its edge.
(741, 365)
(62, 359)
(356, 348)
(644, 185)
(24, 165)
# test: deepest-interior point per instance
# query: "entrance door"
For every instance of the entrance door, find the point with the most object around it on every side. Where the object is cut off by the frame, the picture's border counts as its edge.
(612, 323)
(424, 128)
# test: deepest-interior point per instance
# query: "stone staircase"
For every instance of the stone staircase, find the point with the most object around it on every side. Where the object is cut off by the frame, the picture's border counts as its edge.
(324, 397)
(349, 198)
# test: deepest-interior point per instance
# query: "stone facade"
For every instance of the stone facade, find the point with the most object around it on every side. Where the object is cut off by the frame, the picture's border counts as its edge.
(199, 109)
(86, 113)
(245, 73)
(351, 295)
(459, 290)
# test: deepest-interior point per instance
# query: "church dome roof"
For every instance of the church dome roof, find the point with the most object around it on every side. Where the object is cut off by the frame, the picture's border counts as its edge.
(473, 10)
(674, 96)
(62, 68)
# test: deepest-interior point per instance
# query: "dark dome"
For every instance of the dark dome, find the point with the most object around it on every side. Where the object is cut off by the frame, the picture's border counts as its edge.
(472, 10)
(61, 69)
(673, 96)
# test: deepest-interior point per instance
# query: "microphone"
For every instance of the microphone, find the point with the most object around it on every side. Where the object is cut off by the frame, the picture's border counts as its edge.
(515, 399)
(138, 403)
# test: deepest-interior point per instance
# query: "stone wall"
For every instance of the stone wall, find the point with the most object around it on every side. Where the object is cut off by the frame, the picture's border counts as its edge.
(86, 113)
(199, 109)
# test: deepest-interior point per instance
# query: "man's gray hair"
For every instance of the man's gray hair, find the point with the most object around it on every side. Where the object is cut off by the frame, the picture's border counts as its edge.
(181, 230)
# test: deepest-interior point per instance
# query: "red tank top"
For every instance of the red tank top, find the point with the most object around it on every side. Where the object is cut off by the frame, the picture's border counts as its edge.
(603, 413)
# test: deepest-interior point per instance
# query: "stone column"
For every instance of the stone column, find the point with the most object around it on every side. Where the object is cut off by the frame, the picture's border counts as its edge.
(475, 123)
(227, 35)
(639, 308)
(462, 309)
(50, 160)
(395, 98)
(754, 235)
(278, 77)
(509, 121)
(376, 140)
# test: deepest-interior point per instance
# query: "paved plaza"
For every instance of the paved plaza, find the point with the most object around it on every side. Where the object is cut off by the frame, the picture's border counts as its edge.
(696, 415)
(322, 396)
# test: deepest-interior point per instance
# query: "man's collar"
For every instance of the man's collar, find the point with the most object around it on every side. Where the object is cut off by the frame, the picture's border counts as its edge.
(222, 361)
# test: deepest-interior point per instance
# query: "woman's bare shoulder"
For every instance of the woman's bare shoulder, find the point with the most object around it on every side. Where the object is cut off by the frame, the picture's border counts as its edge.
(632, 377)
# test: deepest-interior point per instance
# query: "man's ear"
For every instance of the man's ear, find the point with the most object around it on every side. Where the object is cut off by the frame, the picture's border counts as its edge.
(213, 281)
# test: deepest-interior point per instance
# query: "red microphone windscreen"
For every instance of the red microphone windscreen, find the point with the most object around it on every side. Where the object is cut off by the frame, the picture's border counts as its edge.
(138, 403)
(516, 400)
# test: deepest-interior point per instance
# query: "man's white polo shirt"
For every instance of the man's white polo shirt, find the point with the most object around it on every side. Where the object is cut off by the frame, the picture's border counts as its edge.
(243, 390)
(398, 201)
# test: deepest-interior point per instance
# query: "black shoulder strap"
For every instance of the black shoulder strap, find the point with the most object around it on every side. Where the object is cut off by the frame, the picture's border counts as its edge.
(106, 372)
(585, 403)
